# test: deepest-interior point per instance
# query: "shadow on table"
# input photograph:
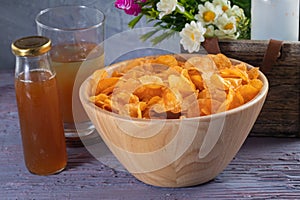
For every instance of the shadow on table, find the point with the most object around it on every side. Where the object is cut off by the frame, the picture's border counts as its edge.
(78, 155)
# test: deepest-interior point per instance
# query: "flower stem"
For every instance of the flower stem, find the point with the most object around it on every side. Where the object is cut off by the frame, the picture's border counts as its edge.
(188, 15)
(185, 13)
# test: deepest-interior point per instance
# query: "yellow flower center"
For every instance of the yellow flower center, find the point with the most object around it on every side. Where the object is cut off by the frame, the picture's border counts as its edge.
(192, 36)
(228, 26)
(209, 16)
(224, 8)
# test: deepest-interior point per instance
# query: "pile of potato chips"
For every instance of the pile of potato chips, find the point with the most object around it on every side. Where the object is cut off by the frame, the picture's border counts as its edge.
(172, 87)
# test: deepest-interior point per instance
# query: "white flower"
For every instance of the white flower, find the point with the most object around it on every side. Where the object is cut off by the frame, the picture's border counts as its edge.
(225, 4)
(226, 27)
(210, 31)
(208, 13)
(235, 11)
(166, 7)
(192, 35)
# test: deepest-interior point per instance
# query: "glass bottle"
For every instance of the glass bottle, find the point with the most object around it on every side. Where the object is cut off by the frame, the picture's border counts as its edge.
(40, 117)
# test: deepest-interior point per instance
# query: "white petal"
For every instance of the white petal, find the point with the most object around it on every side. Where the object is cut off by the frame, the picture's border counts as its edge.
(181, 8)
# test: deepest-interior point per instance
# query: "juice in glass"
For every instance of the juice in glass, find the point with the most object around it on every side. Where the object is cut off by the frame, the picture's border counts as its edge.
(75, 31)
(67, 60)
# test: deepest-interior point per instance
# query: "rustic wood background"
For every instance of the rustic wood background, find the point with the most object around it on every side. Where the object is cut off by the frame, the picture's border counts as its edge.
(280, 114)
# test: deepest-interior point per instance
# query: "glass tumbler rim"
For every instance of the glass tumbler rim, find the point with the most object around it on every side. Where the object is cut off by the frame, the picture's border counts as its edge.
(46, 10)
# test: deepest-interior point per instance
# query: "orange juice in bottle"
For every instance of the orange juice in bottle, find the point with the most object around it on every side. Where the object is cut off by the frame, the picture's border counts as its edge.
(40, 116)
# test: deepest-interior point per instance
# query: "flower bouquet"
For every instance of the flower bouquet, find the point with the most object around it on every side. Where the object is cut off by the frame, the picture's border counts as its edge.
(194, 20)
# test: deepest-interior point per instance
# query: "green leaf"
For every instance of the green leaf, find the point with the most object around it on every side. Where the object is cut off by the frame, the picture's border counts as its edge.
(162, 37)
(146, 36)
(135, 20)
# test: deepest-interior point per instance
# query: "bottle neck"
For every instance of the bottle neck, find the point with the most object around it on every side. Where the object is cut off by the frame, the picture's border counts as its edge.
(25, 64)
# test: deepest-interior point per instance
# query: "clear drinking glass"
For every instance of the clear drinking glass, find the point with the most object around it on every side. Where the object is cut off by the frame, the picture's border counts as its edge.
(77, 34)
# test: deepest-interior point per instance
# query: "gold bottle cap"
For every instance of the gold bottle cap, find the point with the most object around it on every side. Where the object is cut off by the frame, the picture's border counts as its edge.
(31, 46)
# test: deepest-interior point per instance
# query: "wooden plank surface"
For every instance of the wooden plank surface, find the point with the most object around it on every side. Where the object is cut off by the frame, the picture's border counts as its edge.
(265, 168)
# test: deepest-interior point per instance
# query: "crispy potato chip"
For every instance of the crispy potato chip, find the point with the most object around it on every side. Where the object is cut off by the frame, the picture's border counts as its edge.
(127, 85)
(233, 82)
(248, 92)
(131, 64)
(185, 76)
(190, 106)
(242, 66)
(135, 109)
(208, 106)
(150, 79)
(253, 73)
(237, 100)
(219, 82)
(172, 100)
(177, 68)
(258, 84)
(196, 78)
(218, 95)
(117, 74)
(234, 73)
(154, 100)
(122, 98)
(99, 75)
(159, 107)
(233, 100)
(105, 83)
(99, 98)
(221, 61)
(108, 90)
(102, 101)
(168, 60)
(203, 64)
(181, 83)
(146, 92)
(166, 88)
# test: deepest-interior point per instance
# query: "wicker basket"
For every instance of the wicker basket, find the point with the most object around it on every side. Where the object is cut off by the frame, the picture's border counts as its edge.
(280, 114)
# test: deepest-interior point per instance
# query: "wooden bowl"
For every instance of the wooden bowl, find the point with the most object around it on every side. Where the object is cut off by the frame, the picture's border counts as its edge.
(174, 152)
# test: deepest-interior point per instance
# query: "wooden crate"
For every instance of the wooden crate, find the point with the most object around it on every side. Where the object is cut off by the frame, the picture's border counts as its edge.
(280, 114)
